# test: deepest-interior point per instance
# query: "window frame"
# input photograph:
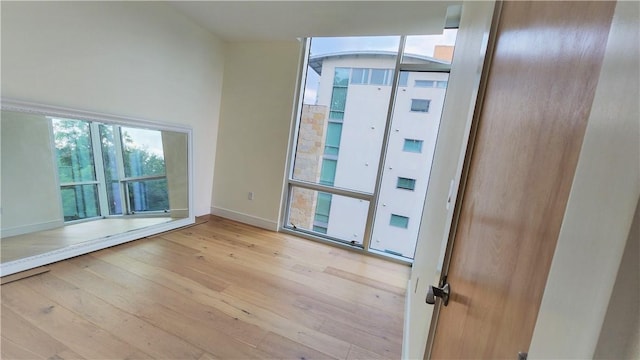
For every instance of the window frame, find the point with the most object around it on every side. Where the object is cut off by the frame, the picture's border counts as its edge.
(392, 78)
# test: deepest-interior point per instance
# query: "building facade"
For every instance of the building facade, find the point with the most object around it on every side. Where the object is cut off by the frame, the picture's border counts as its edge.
(353, 94)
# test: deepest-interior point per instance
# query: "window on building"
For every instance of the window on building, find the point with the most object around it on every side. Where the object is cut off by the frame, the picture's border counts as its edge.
(328, 171)
(399, 221)
(404, 79)
(359, 76)
(425, 83)
(420, 105)
(406, 183)
(321, 218)
(442, 84)
(381, 76)
(339, 94)
(332, 142)
(341, 77)
(412, 145)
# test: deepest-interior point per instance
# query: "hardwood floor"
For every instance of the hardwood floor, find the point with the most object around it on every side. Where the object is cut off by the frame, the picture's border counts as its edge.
(217, 290)
(36, 243)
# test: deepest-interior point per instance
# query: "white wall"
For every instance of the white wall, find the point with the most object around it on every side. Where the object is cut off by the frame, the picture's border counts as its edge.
(30, 196)
(601, 205)
(255, 121)
(136, 59)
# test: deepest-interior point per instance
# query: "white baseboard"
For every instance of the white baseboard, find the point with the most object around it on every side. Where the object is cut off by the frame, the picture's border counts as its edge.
(245, 218)
(407, 316)
(26, 229)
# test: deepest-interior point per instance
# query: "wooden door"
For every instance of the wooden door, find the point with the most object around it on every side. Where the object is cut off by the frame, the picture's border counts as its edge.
(540, 87)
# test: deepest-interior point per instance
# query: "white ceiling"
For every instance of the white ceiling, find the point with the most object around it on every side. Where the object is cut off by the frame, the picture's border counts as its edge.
(288, 20)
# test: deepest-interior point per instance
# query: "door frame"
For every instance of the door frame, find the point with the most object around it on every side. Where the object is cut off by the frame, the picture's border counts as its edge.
(459, 108)
(464, 172)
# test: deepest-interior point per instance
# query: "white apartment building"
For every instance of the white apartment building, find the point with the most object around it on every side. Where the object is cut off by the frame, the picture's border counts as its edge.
(356, 88)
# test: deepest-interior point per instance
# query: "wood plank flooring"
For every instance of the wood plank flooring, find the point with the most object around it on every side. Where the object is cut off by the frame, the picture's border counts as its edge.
(36, 243)
(216, 290)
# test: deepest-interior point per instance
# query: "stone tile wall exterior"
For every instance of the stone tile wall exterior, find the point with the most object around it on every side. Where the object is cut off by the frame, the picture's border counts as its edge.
(311, 139)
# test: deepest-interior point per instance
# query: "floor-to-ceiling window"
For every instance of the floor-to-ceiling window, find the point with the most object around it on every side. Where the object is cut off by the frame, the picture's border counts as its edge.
(365, 139)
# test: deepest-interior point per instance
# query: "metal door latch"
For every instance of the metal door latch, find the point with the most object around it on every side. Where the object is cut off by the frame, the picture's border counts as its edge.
(433, 292)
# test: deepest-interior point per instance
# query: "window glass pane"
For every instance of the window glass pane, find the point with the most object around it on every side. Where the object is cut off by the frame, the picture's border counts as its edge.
(359, 76)
(425, 83)
(338, 99)
(334, 131)
(107, 143)
(339, 217)
(380, 76)
(332, 142)
(404, 78)
(79, 202)
(114, 198)
(406, 183)
(142, 151)
(336, 115)
(411, 145)
(328, 172)
(441, 84)
(323, 207)
(148, 195)
(74, 151)
(423, 49)
(341, 77)
(337, 89)
(420, 105)
(399, 221)
(407, 167)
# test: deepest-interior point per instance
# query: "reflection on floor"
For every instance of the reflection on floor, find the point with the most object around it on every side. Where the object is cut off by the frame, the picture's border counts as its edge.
(17, 247)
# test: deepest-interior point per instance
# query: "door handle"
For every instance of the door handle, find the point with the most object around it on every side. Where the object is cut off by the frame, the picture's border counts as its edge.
(443, 293)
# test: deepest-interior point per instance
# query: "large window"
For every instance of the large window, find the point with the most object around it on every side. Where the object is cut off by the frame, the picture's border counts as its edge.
(108, 169)
(338, 190)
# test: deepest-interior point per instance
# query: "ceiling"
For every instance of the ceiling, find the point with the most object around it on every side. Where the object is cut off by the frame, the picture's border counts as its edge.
(287, 20)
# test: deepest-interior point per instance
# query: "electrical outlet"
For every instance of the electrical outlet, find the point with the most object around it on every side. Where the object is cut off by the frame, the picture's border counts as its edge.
(250, 195)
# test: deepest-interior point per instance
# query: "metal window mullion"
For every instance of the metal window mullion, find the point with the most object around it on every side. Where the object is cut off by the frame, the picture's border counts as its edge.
(143, 178)
(78, 183)
(332, 190)
(373, 204)
(303, 66)
(124, 198)
(99, 168)
(446, 68)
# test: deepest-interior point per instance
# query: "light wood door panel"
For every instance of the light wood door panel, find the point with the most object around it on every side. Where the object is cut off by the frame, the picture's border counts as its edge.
(541, 84)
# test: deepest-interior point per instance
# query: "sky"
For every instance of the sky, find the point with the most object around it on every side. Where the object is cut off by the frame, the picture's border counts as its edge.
(415, 44)
(151, 139)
